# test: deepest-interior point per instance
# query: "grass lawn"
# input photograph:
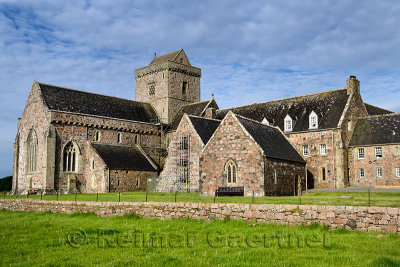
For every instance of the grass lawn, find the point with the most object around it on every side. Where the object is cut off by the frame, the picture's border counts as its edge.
(60, 239)
(319, 198)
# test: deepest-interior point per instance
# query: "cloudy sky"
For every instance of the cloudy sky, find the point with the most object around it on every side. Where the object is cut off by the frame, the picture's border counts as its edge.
(249, 51)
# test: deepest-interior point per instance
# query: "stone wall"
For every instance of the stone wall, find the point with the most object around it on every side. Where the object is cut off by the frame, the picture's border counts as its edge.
(283, 177)
(169, 178)
(380, 219)
(231, 142)
(130, 180)
(389, 161)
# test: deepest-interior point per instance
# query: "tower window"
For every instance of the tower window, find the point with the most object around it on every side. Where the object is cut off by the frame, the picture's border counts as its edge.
(136, 140)
(152, 89)
(119, 137)
(323, 173)
(185, 87)
(97, 136)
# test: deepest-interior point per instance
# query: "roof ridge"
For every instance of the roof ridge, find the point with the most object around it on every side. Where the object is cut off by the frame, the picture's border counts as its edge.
(381, 115)
(77, 90)
(287, 98)
(255, 121)
(178, 51)
(98, 143)
(203, 118)
(378, 107)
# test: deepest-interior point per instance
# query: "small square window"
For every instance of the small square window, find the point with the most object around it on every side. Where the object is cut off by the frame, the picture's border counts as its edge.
(362, 173)
(305, 150)
(378, 152)
(398, 172)
(379, 172)
(361, 153)
(322, 149)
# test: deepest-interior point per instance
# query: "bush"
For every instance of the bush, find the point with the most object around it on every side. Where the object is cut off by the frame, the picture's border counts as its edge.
(6, 184)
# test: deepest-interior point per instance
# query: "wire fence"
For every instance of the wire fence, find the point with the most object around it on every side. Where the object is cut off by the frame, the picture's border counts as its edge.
(321, 198)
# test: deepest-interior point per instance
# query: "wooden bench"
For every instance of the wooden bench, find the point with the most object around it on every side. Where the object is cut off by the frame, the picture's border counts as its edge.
(227, 191)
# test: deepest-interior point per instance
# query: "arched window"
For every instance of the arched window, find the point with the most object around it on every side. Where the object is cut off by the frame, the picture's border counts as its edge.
(97, 136)
(70, 160)
(313, 120)
(231, 172)
(32, 151)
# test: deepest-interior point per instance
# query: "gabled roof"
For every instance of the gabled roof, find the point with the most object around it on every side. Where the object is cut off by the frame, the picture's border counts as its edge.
(373, 110)
(271, 140)
(123, 157)
(167, 57)
(383, 129)
(196, 109)
(204, 127)
(70, 100)
(329, 107)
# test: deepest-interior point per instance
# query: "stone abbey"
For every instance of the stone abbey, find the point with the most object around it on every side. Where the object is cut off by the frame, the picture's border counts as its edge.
(169, 140)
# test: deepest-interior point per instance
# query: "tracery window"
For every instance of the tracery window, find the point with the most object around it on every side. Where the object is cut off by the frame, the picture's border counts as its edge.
(32, 151)
(231, 172)
(70, 157)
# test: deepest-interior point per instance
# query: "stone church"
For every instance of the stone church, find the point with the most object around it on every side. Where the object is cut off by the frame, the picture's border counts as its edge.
(169, 140)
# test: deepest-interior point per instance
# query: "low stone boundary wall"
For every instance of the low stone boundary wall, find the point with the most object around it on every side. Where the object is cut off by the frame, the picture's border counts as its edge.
(380, 219)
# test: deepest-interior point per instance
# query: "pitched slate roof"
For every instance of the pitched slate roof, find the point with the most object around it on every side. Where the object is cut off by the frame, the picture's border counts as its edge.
(123, 157)
(204, 127)
(373, 110)
(70, 100)
(167, 57)
(328, 105)
(196, 109)
(383, 129)
(271, 140)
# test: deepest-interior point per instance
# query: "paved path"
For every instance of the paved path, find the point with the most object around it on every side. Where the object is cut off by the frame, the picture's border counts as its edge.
(356, 189)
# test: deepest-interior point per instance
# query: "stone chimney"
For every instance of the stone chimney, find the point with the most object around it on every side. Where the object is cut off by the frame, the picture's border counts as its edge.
(211, 113)
(353, 85)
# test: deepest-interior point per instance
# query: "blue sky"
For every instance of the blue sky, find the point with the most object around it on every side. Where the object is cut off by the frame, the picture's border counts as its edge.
(249, 51)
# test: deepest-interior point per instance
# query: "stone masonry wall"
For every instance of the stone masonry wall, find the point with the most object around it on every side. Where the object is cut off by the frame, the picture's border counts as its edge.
(130, 180)
(34, 118)
(315, 160)
(231, 142)
(380, 219)
(389, 162)
(170, 170)
(287, 174)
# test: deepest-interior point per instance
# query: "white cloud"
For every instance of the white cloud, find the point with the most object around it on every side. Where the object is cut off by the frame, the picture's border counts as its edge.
(248, 51)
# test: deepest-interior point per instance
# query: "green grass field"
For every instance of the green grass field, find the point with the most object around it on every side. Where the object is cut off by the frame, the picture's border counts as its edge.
(320, 198)
(80, 240)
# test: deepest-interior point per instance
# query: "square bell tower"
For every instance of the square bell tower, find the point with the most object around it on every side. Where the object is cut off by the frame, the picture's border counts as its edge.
(168, 83)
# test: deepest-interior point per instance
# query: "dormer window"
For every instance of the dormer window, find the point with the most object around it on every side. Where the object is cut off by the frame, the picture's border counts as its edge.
(265, 121)
(288, 124)
(313, 120)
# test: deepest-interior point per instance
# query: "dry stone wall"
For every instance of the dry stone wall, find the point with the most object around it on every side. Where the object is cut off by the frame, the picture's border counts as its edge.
(380, 219)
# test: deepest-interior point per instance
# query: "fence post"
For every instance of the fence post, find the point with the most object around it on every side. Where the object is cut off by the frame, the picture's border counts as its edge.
(146, 194)
(119, 196)
(27, 195)
(369, 198)
(215, 195)
(97, 196)
(4, 194)
(252, 200)
(75, 195)
(57, 195)
(41, 195)
(175, 196)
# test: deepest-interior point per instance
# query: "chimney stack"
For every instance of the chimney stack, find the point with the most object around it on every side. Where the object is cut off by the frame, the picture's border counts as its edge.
(353, 85)
(211, 113)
